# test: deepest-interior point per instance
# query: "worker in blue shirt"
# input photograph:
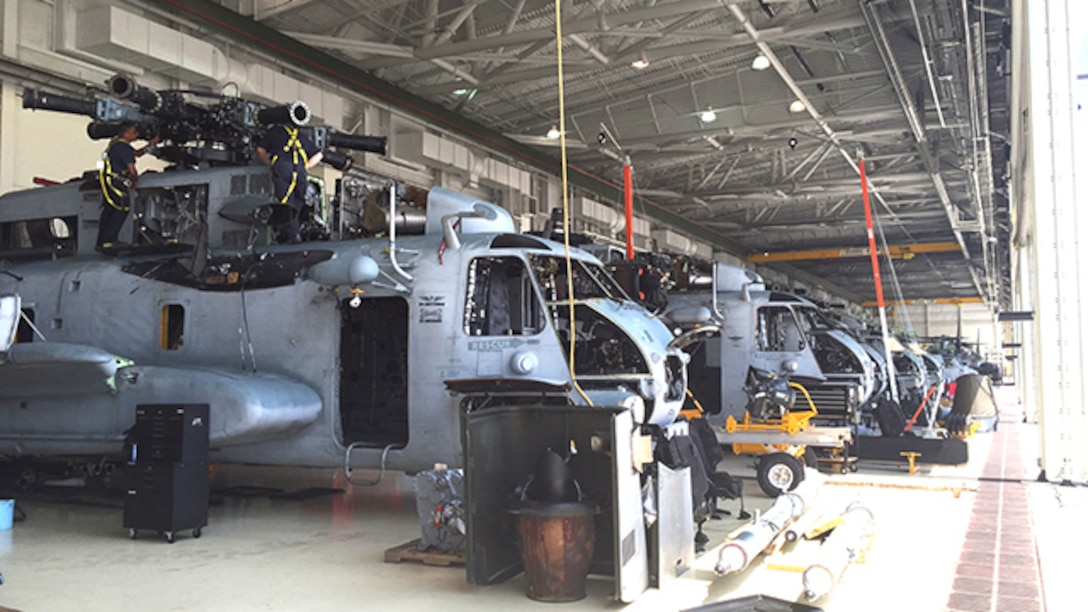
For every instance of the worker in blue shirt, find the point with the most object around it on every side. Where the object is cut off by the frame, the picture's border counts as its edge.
(116, 177)
(290, 154)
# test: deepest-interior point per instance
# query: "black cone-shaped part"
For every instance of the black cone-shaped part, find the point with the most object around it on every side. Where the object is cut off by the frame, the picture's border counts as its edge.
(552, 480)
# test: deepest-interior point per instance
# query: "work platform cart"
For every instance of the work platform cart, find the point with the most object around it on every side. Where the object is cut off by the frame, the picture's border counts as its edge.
(784, 445)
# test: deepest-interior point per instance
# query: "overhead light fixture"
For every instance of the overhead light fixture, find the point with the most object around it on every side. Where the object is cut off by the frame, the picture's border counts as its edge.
(641, 63)
(797, 106)
(460, 92)
(708, 115)
(761, 62)
(553, 133)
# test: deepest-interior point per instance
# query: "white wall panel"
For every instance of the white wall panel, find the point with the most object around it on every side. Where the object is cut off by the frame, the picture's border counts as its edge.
(1058, 129)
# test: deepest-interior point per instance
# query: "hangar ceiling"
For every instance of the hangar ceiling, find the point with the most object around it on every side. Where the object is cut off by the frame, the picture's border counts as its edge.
(919, 87)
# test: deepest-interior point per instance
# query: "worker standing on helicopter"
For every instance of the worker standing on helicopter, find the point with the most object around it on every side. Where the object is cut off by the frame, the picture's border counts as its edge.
(290, 154)
(116, 176)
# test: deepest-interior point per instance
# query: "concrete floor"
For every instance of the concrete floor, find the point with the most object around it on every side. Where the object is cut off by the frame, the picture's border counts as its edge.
(326, 554)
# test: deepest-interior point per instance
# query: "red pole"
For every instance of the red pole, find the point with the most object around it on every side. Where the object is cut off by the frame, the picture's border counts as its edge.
(876, 280)
(920, 406)
(629, 208)
(872, 236)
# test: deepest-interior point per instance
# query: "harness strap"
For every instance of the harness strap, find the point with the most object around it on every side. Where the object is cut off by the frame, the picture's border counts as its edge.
(294, 147)
(108, 179)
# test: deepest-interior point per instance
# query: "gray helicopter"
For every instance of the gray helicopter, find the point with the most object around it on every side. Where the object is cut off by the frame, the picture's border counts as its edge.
(355, 351)
(735, 327)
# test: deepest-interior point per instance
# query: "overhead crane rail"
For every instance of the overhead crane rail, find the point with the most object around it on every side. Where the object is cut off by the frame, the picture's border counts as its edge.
(901, 251)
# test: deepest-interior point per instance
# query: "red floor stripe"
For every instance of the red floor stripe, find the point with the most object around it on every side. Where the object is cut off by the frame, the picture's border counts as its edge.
(998, 569)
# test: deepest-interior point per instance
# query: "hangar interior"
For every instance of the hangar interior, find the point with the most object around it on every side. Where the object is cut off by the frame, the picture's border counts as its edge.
(743, 123)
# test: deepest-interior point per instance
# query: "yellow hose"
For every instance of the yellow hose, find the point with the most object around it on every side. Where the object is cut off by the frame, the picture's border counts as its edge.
(566, 198)
(803, 390)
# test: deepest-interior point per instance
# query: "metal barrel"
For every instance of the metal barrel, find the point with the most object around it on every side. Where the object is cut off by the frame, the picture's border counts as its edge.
(124, 86)
(369, 144)
(557, 547)
(295, 113)
(36, 99)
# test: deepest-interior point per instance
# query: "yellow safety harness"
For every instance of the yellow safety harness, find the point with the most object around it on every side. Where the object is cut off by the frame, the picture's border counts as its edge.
(107, 178)
(294, 147)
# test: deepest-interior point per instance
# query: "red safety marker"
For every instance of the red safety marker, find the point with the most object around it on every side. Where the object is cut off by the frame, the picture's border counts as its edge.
(629, 208)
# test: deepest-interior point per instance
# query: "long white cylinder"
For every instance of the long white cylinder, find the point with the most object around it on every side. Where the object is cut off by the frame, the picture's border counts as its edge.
(806, 521)
(739, 552)
(838, 550)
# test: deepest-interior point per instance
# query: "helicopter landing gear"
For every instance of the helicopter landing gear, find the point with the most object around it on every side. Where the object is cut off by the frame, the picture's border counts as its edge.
(778, 473)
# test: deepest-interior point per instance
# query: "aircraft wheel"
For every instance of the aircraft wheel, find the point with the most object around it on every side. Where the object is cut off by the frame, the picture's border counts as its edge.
(854, 467)
(778, 472)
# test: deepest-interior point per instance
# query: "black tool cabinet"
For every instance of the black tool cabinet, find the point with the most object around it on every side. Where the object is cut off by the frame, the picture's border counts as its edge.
(168, 470)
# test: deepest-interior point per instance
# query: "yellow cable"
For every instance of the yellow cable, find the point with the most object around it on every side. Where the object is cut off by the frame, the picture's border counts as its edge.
(695, 401)
(799, 386)
(566, 200)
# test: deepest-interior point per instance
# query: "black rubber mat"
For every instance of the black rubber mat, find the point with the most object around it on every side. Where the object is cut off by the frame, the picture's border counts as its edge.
(947, 451)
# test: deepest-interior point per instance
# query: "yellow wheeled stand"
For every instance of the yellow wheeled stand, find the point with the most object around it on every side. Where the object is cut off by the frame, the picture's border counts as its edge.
(781, 444)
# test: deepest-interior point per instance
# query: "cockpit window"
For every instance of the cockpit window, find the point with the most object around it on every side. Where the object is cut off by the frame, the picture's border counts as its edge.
(500, 299)
(590, 280)
(777, 330)
(812, 320)
(600, 347)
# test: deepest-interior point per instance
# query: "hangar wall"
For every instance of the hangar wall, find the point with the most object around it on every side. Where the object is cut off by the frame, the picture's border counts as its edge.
(1050, 171)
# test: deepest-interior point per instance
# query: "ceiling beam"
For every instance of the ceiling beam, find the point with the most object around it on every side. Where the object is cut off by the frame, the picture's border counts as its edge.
(266, 9)
(710, 40)
(900, 251)
(579, 25)
(910, 112)
(338, 43)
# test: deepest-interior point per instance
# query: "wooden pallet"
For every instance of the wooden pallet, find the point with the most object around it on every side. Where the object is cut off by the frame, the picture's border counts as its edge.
(411, 553)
